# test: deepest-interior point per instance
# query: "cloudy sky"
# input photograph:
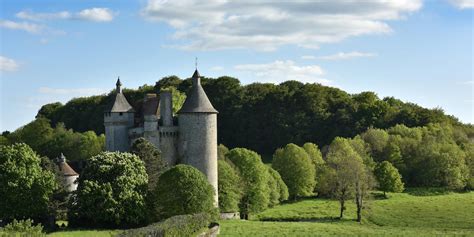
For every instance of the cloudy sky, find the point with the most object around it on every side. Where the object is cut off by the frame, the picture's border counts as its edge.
(414, 50)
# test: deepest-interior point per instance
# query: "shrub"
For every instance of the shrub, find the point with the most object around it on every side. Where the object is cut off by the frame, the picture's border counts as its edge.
(296, 170)
(25, 227)
(229, 187)
(111, 192)
(254, 176)
(183, 190)
(182, 225)
(25, 188)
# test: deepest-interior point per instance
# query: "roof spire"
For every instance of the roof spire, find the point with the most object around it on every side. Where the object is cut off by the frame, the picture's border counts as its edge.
(196, 63)
(119, 85)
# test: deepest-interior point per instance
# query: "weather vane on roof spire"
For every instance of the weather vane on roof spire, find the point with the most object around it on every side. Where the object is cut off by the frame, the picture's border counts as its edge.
(196, 62)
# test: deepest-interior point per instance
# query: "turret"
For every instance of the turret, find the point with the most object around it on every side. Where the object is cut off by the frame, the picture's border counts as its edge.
(168, 132)
(198, 132)
(118, 118)
(68, 175)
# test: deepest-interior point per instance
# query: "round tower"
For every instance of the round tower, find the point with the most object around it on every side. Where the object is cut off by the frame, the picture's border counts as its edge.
(198, 132)
(118, 119)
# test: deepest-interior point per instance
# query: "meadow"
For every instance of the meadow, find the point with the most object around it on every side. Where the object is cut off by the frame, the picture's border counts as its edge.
(402, 214)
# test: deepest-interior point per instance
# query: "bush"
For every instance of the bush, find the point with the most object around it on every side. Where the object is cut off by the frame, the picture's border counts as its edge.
(229, 186)
(183, 225)
(183, 190)
(25, 188)
(296, 170)
(254, 176)
(25, 227)
(111, 192)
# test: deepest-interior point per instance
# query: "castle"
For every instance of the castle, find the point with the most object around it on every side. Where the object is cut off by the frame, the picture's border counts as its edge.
(192, 139)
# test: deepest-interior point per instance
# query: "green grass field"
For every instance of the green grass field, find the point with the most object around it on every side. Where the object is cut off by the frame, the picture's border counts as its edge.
(400, 215)
(447, 214)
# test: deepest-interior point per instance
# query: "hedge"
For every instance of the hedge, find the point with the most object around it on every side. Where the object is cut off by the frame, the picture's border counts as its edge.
(182, 225)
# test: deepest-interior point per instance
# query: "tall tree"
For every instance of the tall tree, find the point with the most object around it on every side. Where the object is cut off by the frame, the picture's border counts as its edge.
(149, 154)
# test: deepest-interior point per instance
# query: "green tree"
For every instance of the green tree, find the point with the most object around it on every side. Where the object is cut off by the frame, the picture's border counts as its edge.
(346, 164)
(229, 186)
(183, 190)
(296, 169)
(254, 177)
(111, 192)
(35, 134)
(149, 154)
(389, 180)
(222, 152)
(280, 186)
(25, 188)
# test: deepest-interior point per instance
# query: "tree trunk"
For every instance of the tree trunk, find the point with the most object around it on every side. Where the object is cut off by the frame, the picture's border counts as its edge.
(359, 208)
(342, 208)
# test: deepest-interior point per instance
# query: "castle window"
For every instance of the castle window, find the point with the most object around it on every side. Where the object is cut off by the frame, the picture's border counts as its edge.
(120, 114)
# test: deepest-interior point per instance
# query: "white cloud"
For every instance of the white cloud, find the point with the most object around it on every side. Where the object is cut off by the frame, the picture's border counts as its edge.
(344, 56)
(29, 15)
(91, 14)
(462, 4)
(13, 25)
(96, 14)
(280, 71)
(8, 64)
(72, 92)
(264, 25)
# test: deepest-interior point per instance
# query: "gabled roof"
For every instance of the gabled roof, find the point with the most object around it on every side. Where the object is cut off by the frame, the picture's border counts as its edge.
(197, 101)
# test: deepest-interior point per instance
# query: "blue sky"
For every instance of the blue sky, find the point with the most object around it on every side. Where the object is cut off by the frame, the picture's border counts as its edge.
(414, 50)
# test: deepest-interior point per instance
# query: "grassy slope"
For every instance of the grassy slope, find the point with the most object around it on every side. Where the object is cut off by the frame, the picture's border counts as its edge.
(402, 214)
(80, 233)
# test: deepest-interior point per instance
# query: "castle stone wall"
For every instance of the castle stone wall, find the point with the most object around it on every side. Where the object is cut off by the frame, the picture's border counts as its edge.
(116, 130)
(198, 144)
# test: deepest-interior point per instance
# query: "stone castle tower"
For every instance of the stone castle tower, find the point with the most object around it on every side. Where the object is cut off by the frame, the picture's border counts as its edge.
(191, 139)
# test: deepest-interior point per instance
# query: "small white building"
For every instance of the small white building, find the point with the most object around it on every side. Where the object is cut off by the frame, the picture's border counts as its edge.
(68, 174)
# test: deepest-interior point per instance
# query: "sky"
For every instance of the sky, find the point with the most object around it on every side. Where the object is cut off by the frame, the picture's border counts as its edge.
(414, 50)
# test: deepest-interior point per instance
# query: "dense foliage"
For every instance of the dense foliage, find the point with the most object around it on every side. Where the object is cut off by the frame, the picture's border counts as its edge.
(151, 156)
(51, 142)
(111, 192)
(264, 117)
(183, 190)
(388, 178)
(229, 186)
(22, 228)
(436, 155)
(278, 188)
(296, 169)
(181, 225)
(25, 188)
(254, 178)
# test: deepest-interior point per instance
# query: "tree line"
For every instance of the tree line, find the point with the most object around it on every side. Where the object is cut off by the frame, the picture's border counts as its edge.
(264, 116)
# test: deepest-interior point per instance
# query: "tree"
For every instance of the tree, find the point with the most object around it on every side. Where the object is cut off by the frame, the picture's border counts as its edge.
(222, 152)
(35, 134)
(389, 180)
(296, 169)
(280, 186)
(183, 190)
(178, 98)
(229, 186)
(364, 183)
(151, 156)
(25, 188)
(111, 192)
(346, 165)
(377, 140)
(254, 177)
(317, 159)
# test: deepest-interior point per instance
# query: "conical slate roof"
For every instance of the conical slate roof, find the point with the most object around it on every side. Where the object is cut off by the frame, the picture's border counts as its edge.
(64, 167)
(119, 103)
(197, 101)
